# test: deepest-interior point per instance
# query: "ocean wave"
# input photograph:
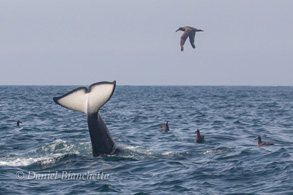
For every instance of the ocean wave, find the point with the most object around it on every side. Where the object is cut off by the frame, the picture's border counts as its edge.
(47, 154)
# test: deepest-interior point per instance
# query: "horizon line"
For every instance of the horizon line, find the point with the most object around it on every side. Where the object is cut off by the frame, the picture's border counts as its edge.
(148, 85)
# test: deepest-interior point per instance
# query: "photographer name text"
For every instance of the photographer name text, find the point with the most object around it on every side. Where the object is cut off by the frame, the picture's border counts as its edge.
(63, 175)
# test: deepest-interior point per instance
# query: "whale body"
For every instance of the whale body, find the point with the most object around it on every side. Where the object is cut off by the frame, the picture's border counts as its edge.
(89, 101)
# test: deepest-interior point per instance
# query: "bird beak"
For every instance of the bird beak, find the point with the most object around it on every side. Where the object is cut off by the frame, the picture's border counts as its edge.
(177, 30)
(256, 138)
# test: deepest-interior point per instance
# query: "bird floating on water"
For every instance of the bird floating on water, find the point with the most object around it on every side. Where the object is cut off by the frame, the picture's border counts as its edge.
(165, 126)
(188, 32)
(262, 143)
(18, 122)
(199, 138)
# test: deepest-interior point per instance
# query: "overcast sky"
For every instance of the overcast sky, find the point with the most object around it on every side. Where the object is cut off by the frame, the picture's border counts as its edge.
(70, 42)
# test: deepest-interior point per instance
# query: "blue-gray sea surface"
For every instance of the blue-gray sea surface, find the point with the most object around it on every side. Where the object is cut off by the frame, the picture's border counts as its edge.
(50, 153)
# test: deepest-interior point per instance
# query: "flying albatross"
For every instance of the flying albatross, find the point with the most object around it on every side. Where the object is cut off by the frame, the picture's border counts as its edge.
(188, 32)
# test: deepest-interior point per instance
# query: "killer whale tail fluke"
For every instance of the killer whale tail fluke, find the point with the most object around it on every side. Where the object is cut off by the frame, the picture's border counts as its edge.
(86, 100)
(89, 101)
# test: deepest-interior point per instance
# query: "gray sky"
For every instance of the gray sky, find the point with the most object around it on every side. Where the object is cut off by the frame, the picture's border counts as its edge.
(70, 42)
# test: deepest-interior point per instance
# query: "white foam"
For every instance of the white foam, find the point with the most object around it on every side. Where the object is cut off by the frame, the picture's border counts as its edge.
(24, 161)
(46, 154)
(138, 149)
(149, 152)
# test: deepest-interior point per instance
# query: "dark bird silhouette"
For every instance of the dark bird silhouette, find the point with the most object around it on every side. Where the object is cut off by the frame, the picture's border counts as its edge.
(165, 126)
(188, 32)
(262, 143)
(199, 138)
(18, 122)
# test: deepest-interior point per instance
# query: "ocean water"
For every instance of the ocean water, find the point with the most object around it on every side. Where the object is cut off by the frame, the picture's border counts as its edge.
(50, 153)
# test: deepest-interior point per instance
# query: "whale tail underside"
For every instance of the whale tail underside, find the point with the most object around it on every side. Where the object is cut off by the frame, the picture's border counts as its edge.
(89, 101)
(85, 100)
